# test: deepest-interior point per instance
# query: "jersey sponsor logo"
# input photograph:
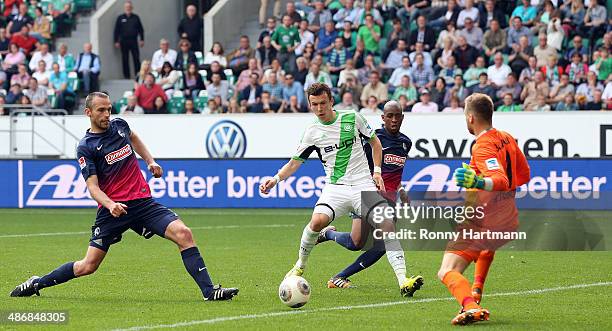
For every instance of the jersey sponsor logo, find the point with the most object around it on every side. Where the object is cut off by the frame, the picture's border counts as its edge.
(395, 160)
(82, 162)
(347, 143)
(226, 139)
(492, 164)
(119, 154)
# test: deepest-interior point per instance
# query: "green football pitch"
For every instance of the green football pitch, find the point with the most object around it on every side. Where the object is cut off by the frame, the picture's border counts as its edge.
(142, 284)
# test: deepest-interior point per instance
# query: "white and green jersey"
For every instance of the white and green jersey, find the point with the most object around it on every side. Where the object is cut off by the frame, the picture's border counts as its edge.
(338, 144)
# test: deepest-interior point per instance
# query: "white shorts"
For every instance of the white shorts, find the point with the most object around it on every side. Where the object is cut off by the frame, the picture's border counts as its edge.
(339, 200)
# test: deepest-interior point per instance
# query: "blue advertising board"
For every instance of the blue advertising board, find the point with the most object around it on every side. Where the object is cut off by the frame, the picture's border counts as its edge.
(207, 183)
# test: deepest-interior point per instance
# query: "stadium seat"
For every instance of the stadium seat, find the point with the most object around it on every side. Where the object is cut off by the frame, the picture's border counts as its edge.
(230, 76)
(199, 57)
(387, 28)
(73, 81)
(176, 104)
(123, 101)
(202, 100)
(52, 98)
(84, 4)
(179, 83)
(204, 74)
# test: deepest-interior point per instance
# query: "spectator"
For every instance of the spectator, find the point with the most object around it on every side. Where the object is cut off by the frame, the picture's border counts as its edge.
(64, 59)
(594, 24)
(219, 88)
(419, 49)
(58, 81)
(368, 9)
(534, 89)
(309, 52)
(263, 10)
(62, 18)
(552, 71)
(250, 96)
(14, 94)
(318, 17)
(603, 64)
(2, 103)
(410, 10)
(528, 73)
(577, 70)
(395, 58)
(490, 13)
(268, 31)
(454, 106)
(512, 87)
(338, 57)
(370, 35)
(131, 107)
(520, 56)
(305, 37)
(23, 39)
(555, 34)
(291, 87)
(407, 90)
(275, 90)
(285, 39)
(159, 105)
(577, 48)
(541, 104)
(597, 103)
(128, 29)
(20, 20)
(41, 54)
(245, 75)
(239, 58)
(465, 54)
(567, 104)
(363, 74)
(162, 55)
(349, 69)
(316, 75)
(191, 27)
(14, 58)
(422, 75)
(348, 13)
(41, 29)
(192, 82)
(145, 69)
(293, 106)
(21, 78)
(359, 55)
(352, 86)
(370, 106)
(469, 11)
(37, 94)
(516, 31)
(425, 105)
(215, 67)
(526, 12)
(266, 53)
(147, 93)
(184, 56)
(213, 107)
(349, 37)
(267, 105)
(484, 86)
(215, 55)
(88, 69)
(545, 15)
(347, 103)
(573, 14)
(41, 74)
(543, 51)
(423, 34)
(11, 7)
(449, 73)
(509, 105)
(234, 108)
(4, 42)
(457, 90)
(301, 70)
(325, 38)
(498, 72)
(374, 88)
(189, 107)
(472, 34)
(438, 92)
(290, 10)
(449, 17)
(589, 86)
(443, 54)
(400, 72)
(471, 76)
(561, 90)
(275, 69)
(167, 79)
(494, 39)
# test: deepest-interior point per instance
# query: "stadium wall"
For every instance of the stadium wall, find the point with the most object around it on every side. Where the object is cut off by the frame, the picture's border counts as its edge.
(224, 21)
(566, 134)
(160, 19)
(234, 183)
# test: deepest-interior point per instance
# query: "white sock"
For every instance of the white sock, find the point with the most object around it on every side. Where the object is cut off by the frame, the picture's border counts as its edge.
(309, 239)
(395, 255)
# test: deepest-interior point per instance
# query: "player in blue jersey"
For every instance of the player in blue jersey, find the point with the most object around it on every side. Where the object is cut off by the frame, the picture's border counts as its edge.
(395, 150)
(107, 158)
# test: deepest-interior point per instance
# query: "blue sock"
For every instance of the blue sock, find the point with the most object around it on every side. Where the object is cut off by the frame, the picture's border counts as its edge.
(365, 260)
(62, 274)
(197, 269)
(342, 238)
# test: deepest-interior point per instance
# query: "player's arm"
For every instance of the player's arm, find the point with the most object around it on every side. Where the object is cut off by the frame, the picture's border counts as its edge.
(142, 150)
(285, 172)
(493, 177)
(377, 160)
(116, 208)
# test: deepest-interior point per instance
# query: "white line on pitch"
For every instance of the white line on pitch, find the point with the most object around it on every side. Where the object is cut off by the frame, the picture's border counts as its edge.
(373, 305)
(211, 227)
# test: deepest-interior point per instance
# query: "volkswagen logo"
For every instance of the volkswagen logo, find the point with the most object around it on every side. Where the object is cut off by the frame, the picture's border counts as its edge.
(226, 140)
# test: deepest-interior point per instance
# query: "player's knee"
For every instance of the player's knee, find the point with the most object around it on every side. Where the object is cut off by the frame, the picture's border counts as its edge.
(318, 222)
(184, 236)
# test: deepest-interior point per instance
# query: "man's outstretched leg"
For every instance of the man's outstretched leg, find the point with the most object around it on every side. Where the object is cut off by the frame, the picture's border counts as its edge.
(87, 266)
(180, 234)
(481, 269)
(308, 241)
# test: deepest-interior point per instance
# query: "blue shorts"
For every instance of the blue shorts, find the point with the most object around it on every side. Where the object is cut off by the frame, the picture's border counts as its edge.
(144, 216)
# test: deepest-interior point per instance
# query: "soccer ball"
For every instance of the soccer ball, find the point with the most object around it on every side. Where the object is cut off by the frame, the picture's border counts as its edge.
(294, 291)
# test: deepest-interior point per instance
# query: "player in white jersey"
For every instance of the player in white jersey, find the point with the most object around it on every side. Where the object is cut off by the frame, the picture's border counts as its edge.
(335, 136)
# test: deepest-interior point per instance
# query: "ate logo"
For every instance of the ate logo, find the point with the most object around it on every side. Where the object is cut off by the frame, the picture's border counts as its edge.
(395, 160)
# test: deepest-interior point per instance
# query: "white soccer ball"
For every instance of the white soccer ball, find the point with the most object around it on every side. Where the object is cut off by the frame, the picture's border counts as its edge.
(294, 291)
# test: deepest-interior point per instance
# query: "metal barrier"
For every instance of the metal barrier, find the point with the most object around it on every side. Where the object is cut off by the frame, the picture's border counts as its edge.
(32, 118)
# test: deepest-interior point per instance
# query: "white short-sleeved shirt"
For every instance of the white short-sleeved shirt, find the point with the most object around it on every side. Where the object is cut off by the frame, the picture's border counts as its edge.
(338, 145)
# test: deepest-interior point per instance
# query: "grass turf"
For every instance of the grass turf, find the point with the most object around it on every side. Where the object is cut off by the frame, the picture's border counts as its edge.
(143, 282)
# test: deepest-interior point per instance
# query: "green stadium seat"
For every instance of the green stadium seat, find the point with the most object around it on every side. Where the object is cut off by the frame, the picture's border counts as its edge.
(204, 75)
(73, 81)
(200, 58)
(84, 4)
(122, 102)
(230, 76)
(179, 83)
(202, 100)
(52, 98)
(176, 104)
(387, 28)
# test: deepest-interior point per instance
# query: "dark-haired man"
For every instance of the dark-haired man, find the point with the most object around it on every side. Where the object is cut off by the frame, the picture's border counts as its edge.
(335, 136)
(107, 158)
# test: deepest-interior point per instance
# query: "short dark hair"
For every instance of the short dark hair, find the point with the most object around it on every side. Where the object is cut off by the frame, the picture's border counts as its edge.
(91, 96)
(318, 89)
(481, 106)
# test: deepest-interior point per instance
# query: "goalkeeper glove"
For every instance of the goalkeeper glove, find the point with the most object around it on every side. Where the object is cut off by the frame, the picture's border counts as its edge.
(466, 177)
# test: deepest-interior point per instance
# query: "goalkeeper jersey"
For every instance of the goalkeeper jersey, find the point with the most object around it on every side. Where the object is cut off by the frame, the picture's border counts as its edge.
(338, 145)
